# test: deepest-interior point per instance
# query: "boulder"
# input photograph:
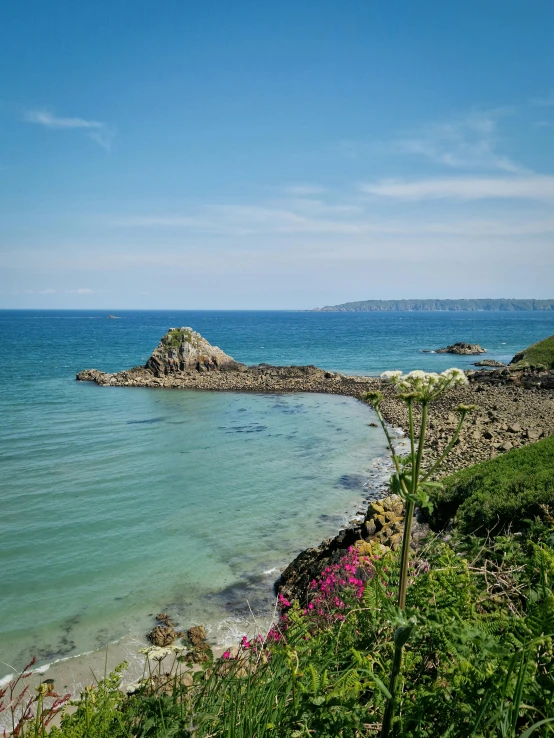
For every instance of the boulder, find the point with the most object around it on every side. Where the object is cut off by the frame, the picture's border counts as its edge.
(185, 350)
(463, 349)
(162, 635)
(197, 636)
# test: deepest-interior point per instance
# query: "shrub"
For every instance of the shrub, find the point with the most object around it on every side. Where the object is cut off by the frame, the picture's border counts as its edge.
(503, 493)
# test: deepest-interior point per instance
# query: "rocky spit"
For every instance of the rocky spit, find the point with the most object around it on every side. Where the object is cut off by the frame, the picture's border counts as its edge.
(514, 407)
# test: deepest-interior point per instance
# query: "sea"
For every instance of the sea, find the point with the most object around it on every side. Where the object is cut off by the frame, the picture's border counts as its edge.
(119, 503)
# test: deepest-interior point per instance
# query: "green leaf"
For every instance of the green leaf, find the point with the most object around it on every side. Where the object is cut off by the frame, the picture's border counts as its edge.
(535, 726)
(382, 687)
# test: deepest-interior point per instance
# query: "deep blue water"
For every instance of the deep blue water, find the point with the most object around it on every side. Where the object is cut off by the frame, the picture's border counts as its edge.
(116, 503)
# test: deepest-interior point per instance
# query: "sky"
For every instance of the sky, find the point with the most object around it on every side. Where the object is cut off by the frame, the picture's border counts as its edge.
(274, 155)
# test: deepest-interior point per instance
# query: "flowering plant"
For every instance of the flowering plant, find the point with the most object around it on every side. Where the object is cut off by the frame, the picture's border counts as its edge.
(412, 482)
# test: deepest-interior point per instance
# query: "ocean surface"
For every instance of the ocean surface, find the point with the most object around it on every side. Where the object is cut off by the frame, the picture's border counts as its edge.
(116, 503)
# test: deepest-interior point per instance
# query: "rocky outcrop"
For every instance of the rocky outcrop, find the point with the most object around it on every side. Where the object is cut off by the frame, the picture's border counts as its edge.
(381, 531)
(489, 362)
(184, 350)
(517, 375)
(200, 650)
(504, 396)
(164, 633)
(462, 349)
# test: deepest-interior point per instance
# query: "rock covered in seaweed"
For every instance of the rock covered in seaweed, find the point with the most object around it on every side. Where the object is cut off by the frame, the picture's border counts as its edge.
(185, 350)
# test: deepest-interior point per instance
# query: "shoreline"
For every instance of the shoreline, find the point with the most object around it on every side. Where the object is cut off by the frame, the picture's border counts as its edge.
(72, 673)
(510, 412)
(514, 406)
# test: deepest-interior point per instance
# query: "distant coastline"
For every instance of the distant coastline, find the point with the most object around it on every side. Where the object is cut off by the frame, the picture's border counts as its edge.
(479, 305)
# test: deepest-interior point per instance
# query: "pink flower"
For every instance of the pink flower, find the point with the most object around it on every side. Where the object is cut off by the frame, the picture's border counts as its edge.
(227, 655)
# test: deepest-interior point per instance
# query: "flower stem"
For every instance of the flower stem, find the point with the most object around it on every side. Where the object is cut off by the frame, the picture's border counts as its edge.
(447, 450)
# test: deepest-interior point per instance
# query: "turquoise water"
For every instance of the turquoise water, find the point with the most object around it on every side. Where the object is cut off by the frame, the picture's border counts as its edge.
(117, 503)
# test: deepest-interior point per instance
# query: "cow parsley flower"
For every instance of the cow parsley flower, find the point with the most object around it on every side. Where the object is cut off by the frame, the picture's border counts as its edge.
(424, 386)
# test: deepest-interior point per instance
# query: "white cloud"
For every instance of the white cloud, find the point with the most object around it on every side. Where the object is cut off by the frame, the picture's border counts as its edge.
(304, 190)
(535, 187)
(45, 118)
(249, 222)
(471, 141)
(80, 291)
(94, 129)
(467, 142)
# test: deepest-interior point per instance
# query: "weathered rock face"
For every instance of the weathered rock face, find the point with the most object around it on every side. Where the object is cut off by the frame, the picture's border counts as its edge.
(185, 350)
(463, 349)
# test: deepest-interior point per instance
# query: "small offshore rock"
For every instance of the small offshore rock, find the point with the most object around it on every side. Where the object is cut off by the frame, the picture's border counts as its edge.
(462, 349)
(489, 362)
(165, 619)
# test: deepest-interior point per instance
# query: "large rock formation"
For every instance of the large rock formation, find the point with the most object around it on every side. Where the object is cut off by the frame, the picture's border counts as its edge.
(463, 349)
(185, 350)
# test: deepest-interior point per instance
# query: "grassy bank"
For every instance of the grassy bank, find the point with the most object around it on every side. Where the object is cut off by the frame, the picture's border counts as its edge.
(479, 622)
(540, 355)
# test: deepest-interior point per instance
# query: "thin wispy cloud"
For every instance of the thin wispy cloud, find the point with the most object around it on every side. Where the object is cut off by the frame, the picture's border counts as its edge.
(267, 220)
(470, 141)
(94, 129)
(50, 291)
(535, 187)
(304, 190)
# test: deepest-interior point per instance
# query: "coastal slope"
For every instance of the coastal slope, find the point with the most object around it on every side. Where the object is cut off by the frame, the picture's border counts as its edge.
(369, 306)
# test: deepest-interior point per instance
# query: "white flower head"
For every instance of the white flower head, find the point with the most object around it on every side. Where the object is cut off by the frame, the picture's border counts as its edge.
(392, 376)
(424, 386)
(417, 374)
(156, 652)
(455, 376)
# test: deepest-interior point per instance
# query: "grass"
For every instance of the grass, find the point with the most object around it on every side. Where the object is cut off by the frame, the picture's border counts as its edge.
(505, 492)
(175, 337)
(540, 354)
(479, 659)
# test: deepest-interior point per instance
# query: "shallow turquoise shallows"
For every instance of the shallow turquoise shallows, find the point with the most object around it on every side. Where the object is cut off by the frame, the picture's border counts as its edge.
(117, 503)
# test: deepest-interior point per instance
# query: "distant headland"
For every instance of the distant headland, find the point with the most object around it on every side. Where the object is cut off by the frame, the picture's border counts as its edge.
(370, 306)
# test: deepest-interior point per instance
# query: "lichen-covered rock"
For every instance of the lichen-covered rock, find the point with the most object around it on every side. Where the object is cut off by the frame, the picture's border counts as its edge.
(185, 350)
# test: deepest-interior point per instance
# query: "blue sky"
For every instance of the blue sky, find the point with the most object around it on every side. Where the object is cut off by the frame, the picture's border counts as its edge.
(243, 154)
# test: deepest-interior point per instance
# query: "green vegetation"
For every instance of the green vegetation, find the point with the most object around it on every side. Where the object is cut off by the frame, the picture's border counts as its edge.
(540, 354)
(175, 337)
(479, 661)
(455, 640)
(506, 492)
(431, 305)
